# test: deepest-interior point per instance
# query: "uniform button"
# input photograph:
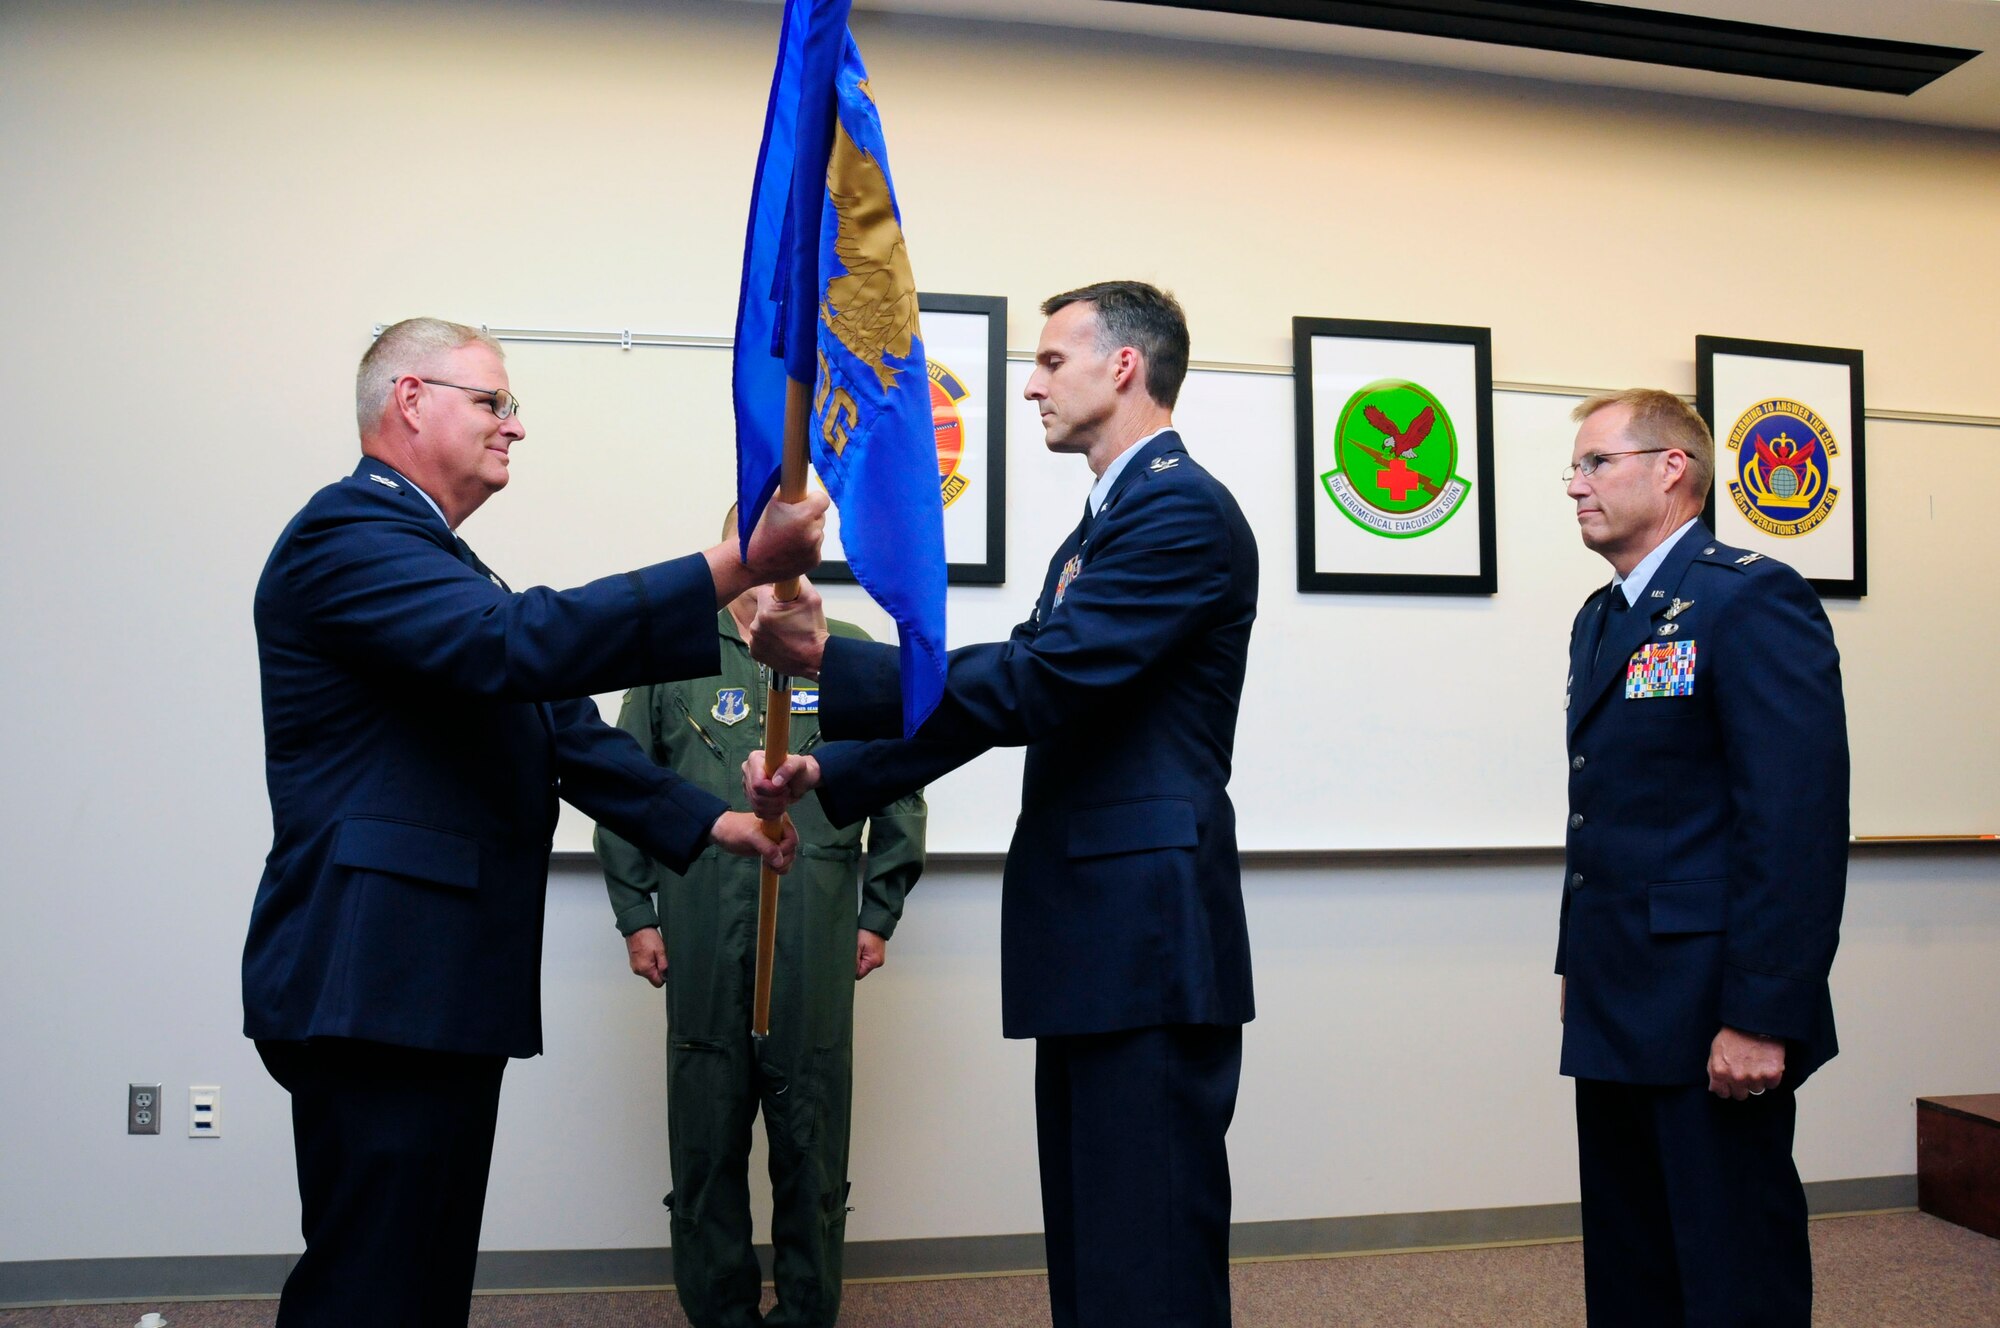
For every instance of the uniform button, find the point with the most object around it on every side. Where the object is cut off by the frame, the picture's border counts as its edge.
(1576, 763)
(1576, 881)
(1575, 820)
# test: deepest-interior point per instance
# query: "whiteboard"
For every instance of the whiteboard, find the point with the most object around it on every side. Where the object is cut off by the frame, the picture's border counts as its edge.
(1368, 722)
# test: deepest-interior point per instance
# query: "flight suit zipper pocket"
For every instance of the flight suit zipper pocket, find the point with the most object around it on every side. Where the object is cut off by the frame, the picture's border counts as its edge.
(714, 747)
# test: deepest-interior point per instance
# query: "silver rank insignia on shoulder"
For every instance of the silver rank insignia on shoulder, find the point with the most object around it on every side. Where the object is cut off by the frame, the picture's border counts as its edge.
(1164, 463)
(386, 482)
(1668, 629)
(496, 580)
(1747, 559)
(1677, 608)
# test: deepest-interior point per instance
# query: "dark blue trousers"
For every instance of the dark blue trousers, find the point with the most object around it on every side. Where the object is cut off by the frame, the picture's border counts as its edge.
(1693, 1214)
(393, 1145)
(1135, 1175)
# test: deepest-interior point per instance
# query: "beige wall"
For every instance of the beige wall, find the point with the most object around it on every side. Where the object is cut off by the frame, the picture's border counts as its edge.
(203, 209)
(1596, 233)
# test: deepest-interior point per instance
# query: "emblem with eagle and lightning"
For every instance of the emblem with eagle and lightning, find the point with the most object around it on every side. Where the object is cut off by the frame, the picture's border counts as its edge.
(1396, 456)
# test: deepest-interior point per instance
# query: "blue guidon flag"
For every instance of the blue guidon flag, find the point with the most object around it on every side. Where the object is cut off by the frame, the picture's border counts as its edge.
(828, 299)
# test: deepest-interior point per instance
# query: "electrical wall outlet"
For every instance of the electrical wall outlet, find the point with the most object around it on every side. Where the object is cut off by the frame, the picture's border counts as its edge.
(204, 1111)
(142, 1108)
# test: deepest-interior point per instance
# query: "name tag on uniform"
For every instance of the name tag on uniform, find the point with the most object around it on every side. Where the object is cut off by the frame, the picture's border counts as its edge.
(805, 698)
(1660, 668)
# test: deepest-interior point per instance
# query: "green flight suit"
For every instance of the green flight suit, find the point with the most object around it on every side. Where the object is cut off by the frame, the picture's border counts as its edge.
(803, 1079)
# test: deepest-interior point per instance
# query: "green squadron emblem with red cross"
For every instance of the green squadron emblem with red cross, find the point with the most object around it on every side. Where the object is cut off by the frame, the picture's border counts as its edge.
(1395, 456)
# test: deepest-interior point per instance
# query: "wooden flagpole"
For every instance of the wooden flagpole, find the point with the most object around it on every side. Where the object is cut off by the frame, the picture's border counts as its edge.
(778, 710)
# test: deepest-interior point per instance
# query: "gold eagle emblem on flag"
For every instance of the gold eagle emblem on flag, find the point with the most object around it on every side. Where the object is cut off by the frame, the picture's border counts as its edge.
(872, 309)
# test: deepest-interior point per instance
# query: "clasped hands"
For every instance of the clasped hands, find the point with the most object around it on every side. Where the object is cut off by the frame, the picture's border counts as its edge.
(771, 795)
(742, 833)
(1740, 1065)
(789, 637)
(785, 544)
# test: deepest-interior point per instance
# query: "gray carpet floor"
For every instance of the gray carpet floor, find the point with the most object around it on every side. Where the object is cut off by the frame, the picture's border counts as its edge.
(1893, 1270)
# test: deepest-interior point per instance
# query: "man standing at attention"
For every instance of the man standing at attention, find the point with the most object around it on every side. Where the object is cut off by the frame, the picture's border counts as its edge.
(700, 940)
(1124, 952)
(1705, 870)
(420, 722)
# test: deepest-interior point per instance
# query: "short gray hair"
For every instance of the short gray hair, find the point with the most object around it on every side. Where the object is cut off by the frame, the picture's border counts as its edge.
(1661, 419)
(406, 347)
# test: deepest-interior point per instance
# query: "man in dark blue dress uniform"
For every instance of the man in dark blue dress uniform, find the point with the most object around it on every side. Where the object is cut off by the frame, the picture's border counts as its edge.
(1124, 952)
(420, 722)
(1705, 868)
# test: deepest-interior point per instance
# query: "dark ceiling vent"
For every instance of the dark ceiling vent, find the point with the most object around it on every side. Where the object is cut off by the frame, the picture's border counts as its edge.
(1620, 32)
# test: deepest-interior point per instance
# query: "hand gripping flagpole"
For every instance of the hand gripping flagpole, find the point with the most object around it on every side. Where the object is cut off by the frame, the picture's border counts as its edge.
(778, 711)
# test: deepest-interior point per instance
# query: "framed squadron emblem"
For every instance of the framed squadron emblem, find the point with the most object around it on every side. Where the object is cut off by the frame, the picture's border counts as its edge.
(1789, 481)
(1395, 457)
(965, 343)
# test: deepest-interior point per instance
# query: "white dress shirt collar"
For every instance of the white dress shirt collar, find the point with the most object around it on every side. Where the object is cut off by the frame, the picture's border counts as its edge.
(420, 493)
(1102, 489)
(1635, 584)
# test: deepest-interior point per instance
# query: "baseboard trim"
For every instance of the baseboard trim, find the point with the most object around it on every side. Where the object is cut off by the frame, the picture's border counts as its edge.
(1864, 1194)
(245, 1276)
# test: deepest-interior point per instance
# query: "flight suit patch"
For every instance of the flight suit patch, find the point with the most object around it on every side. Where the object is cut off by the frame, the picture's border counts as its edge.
(732, 704)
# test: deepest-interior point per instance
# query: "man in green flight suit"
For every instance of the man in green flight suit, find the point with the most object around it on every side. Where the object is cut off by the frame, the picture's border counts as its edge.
(700, 944)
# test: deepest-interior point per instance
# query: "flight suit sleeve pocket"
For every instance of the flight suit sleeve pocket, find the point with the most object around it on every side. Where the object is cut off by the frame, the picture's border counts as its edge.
(1683, 907)
(1132, 827)
(402, 848)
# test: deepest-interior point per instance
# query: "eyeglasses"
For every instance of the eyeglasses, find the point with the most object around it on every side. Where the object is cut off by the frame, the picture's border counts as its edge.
(504, 404)
(1592, 461)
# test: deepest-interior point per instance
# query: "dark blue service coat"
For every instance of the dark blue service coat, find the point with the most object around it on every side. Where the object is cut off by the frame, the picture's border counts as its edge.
(1706, 861)
(420, 722)
(1122, 904)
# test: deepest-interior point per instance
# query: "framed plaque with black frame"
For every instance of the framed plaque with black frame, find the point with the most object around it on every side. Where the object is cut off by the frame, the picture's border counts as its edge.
(965, 345)
(1789, 479)
(1395, 457)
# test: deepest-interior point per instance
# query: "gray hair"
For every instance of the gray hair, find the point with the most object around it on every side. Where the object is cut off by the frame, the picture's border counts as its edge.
(403, 348)
(1661, 419)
